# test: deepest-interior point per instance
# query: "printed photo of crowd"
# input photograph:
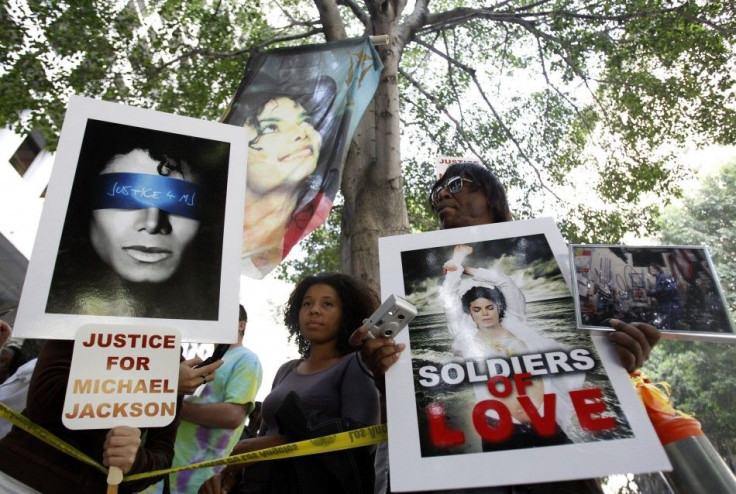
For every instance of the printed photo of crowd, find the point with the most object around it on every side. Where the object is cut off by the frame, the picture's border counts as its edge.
(672, 288)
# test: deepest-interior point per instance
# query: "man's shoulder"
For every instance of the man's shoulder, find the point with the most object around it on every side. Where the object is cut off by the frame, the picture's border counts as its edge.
(242, 355)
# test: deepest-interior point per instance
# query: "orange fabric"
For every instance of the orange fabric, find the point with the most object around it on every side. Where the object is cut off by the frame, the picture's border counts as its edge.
(670, 424)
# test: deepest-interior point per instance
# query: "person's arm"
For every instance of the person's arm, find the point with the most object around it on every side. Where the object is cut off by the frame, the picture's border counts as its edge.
(227, 478)
(378, 354)
(215, 415)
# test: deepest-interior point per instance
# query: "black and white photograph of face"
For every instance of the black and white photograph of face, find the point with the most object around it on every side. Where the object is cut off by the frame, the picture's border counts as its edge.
(140, 241)
(143, 230)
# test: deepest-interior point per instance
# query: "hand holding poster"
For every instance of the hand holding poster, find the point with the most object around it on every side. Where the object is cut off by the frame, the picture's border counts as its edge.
(496, 371)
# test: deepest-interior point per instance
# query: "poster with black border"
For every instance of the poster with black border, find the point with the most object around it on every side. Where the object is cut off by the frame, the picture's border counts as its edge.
(497, 386)
(675, 288)
(140, 226)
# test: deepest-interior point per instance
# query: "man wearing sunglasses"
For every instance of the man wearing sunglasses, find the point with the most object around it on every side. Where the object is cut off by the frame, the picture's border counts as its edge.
(469, 195)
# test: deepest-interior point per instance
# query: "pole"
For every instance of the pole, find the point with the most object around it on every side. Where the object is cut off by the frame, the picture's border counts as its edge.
(697, 468)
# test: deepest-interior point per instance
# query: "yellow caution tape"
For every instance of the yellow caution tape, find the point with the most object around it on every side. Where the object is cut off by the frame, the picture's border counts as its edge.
(39, 432)
(367, 436)
(356, 438)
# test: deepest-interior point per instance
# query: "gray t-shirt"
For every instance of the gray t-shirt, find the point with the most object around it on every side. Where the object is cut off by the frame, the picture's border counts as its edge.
(343, 390)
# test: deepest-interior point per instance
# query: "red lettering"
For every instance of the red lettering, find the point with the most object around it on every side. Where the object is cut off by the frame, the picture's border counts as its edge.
(522, 381)
(506, 386)
(119, 340)
(169, 341)
(587, 403)
(439, 433)
(505, 425)
(128, 363)
(154, 341)
(544, 425)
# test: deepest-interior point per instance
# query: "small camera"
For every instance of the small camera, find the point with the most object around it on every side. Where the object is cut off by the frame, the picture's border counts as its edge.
(391, 317)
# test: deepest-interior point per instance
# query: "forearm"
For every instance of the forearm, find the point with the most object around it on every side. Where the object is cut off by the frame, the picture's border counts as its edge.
(258, 443)
(214, 415)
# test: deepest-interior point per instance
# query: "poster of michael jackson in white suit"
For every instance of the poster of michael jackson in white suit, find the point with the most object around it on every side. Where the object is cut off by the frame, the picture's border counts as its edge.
(497, 375)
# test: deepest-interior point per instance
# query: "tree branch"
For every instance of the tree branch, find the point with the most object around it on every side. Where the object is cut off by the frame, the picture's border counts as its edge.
(442, 108)
(413, 22)
(358, 12)
(236, 53)
(332, 24)
(496, 115)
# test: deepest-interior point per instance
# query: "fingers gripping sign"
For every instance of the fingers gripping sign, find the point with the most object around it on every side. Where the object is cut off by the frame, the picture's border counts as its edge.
(120, 451)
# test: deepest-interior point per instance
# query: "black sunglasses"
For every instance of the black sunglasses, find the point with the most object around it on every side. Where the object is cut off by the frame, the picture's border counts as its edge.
(453, 186)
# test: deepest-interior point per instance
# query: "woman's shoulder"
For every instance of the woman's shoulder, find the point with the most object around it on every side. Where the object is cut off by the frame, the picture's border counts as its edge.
(284, 370)
(289, 365)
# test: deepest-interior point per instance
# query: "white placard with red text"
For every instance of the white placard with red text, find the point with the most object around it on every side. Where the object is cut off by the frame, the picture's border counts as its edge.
(122, 375)
(453, 421)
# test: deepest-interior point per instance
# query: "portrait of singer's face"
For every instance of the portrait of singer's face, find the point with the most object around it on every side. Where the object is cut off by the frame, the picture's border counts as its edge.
(147, 244)
(285, 149)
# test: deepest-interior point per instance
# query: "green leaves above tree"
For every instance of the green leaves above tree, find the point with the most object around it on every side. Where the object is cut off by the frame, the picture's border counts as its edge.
(708, 217)
(184, 57)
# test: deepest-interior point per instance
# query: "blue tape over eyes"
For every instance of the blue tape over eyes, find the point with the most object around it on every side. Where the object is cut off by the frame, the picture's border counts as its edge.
(142, 191)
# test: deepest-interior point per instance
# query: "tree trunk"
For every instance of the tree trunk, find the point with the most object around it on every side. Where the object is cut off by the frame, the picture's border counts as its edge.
(371, 182)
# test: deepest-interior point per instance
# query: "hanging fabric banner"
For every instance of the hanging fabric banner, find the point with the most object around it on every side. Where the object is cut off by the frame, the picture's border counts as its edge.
(301, 107)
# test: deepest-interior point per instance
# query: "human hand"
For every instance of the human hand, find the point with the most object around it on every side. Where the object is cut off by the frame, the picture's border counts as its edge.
(5, 332)
(633, 342)
(459, 253)
(378, 353)
(190, 378)
(121, 447)
(462, 250)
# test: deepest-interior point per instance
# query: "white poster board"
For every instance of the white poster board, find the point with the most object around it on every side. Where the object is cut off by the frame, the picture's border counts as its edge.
(122, 375)
(446, 425)
(444, 162)
(142, 224)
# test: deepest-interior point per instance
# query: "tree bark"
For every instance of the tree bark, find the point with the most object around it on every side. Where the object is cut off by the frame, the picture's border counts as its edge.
(371, 184)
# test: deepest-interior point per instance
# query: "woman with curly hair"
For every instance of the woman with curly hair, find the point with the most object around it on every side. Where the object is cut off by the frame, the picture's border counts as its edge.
(325, 391)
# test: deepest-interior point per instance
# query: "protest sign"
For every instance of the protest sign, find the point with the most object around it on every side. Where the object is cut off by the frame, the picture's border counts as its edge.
(122, 375)
(141, 221)
(497, 386)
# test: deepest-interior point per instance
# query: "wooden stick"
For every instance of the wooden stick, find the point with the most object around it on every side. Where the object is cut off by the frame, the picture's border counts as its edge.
(114, 477)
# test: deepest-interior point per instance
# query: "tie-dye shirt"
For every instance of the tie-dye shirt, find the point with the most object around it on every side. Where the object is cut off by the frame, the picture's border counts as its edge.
(237, 381)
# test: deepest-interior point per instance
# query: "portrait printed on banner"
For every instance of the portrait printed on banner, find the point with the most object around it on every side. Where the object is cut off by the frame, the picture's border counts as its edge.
(499, 375)
(301, 107)
(135, 223)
